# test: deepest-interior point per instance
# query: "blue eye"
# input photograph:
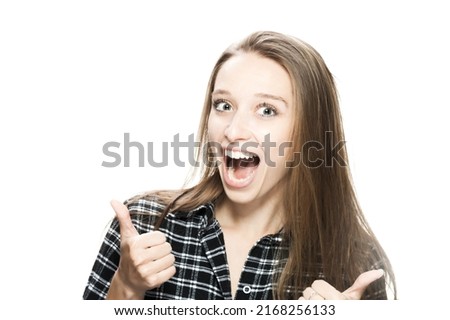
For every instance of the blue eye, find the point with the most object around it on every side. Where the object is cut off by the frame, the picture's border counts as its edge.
(266, 110)
(222, 106)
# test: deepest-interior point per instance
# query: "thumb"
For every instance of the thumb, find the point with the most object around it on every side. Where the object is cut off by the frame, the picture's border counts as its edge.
(356, 291)
(127, 228)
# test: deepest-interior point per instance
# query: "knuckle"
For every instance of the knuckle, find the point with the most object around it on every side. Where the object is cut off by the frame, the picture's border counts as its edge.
(153, 281)
(141, 270)
(173, 270)
(134, 259)
(159, 236)
(168, 246)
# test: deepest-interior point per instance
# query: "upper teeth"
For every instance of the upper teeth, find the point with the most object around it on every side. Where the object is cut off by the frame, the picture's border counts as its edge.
(238, 154)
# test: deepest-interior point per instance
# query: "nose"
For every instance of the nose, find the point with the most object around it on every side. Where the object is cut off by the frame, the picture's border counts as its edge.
(238, 128)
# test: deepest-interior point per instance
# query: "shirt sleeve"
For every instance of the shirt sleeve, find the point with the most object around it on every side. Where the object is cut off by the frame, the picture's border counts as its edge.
(144, 213)
(105, 265)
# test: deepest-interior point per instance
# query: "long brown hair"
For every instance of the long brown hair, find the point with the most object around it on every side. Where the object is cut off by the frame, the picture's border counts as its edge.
(325, 230)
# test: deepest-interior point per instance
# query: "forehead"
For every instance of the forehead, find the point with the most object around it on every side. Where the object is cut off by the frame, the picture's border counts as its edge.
(252, 73)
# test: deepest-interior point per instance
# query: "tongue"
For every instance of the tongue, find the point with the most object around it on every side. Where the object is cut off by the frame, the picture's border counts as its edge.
(242, 168)
(242, 172)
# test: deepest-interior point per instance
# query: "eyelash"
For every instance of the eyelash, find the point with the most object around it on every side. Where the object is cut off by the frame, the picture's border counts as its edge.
(219, 101)
(263, 105)
(269, 107)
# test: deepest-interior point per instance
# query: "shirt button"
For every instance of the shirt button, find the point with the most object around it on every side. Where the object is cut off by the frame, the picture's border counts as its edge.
(247, 289)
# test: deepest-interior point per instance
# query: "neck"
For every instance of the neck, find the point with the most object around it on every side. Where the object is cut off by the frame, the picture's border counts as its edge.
(258, 217)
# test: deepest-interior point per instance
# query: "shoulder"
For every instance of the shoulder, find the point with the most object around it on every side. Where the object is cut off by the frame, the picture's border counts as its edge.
(147, 209)
(147, 204)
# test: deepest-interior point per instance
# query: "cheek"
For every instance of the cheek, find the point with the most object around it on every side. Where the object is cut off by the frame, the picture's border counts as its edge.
(216, 128)
(282, 145)
(282, 155)
(212, 128)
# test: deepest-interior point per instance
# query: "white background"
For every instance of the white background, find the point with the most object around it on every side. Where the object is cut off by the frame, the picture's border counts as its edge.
(77, 74)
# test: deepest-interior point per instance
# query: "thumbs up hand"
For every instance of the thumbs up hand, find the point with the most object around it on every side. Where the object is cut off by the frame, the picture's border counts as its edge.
(322, 290)
(146, 260)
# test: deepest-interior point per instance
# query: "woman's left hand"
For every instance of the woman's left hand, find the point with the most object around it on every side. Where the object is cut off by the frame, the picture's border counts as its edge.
(322, 290)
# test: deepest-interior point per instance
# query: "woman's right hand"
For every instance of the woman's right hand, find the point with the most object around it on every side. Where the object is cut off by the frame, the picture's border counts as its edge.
(146, 260)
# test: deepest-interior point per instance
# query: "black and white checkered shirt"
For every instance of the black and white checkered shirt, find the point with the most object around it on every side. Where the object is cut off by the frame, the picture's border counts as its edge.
(200, 260)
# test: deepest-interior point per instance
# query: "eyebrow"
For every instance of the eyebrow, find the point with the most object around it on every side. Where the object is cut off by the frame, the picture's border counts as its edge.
(271, 96)
(260, 95)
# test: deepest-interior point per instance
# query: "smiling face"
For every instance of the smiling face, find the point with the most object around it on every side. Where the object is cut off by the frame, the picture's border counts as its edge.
(252, 104)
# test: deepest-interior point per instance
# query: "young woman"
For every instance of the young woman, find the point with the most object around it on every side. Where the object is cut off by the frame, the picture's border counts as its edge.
(274, 215)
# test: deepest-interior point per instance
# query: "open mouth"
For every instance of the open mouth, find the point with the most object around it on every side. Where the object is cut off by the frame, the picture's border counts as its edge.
(240, 166)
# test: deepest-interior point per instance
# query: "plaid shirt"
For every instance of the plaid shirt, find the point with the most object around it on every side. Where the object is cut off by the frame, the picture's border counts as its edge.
(200, 259)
